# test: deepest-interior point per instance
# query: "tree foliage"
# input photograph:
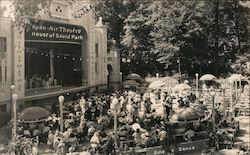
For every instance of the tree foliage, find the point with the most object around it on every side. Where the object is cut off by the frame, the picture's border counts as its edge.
(114, 12)
(26, 10)
(187, 29)
(154, 34)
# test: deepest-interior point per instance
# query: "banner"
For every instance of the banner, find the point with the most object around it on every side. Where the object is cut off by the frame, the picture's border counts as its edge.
(47, 31)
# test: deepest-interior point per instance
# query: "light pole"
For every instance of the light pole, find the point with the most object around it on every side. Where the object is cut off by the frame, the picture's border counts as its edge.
(213, 106)
(179, 65)
(197, 84)
(120, 77)
(12, 87)
(14, 98)
(61, 100)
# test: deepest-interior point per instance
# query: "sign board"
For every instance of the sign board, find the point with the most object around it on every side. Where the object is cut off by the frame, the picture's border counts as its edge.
(158, 151)
(193, 146)
(47, 31)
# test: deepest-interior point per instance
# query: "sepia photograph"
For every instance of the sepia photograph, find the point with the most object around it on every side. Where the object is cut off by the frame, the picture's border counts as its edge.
(124, 77)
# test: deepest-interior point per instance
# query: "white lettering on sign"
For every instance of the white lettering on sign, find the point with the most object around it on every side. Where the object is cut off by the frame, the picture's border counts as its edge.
(159, 152)
(55, 31)
(57, 35)
(187, 148)
(39, 27)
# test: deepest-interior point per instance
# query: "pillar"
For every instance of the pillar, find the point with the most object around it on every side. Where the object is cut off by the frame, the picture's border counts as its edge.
(51, 63)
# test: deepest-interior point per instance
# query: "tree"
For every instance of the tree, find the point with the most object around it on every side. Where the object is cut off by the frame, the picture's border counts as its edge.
(187, 29)
(26, 10)
(165, 29)
(114, 12)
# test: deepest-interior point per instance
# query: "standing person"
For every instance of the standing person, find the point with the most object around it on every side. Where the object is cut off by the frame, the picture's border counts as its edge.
(147, 105)
(135, 110)
(93, 110)
(137, 137)
(95, 142)
(100, 107)
(129, 110)
(82, 103)
(88, 114)
(168, 105)
(123, 102)
(115, 104)
(108, 142)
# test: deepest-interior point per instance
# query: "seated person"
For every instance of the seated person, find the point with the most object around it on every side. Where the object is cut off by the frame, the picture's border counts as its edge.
(223, 123)
(137, 137)
(95, 141)
(189, 135)
(145, 139)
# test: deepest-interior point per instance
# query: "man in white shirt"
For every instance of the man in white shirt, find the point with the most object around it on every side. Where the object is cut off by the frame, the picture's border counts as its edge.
(114, 106)
(82, 104)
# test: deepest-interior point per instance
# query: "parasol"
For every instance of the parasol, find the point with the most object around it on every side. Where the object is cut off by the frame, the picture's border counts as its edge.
(181, 87)
(157, 84)
(169, 83)
(207, 77)
(130, 83)
(34, 114)
(84, 153)
(236, 77)
(133, 76)
(186, 114)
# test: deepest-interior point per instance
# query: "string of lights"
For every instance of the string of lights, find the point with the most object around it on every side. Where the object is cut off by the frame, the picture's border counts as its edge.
(64, 55)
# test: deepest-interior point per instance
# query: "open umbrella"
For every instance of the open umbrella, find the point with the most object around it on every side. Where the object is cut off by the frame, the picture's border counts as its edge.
(169, 84)
(181, 87)
(34, 114)
(186, 114)
(236, 77)
(84, 153)
(130, 83)
(157, 84)
(207, 77)
(133, 76)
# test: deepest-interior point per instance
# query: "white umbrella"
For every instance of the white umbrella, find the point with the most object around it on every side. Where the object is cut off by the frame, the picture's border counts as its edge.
(133, 76)
(169, 84)
(207, 77)
(157, 84)
(84, 153)
(129, 83)
(236, 77)
(181, 87)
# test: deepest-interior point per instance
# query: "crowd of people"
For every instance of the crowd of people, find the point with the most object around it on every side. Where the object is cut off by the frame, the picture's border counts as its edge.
(105, 123)
(39, 81)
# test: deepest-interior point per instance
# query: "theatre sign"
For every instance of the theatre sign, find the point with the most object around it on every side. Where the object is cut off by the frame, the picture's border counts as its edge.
(54, 32)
